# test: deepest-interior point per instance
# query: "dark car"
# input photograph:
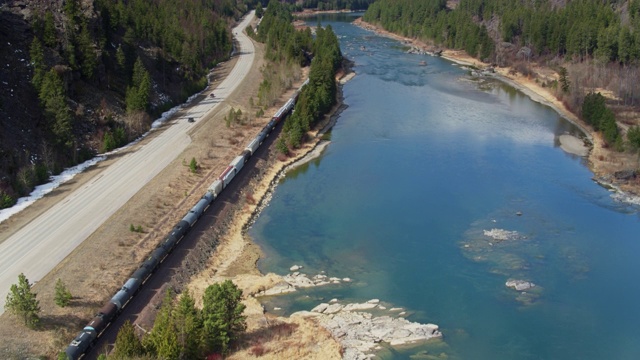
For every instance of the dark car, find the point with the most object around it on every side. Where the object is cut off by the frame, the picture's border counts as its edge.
(191, 119)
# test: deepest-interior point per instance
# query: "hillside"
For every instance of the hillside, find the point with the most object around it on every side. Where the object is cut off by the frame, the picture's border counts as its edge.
(81, 77)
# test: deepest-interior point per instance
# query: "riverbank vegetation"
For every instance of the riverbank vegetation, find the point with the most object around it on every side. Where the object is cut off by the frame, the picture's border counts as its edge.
(183, 331)
(285, 44)
(596, 42)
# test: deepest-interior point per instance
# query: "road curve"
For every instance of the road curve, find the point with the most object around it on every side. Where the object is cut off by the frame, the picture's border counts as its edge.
(39, 246)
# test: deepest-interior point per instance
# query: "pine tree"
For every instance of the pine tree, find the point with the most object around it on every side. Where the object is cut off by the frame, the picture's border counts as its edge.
(127, 344)
(22, 302)
(88, 62)
(163, 339)
(63, 295)
(193, 165)
(565, 84)
(49, 31)
(54, 100)
(186, 319)
(222, 315)
(36, 53)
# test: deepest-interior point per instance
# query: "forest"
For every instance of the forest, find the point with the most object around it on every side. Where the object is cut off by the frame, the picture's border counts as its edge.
(97, 75)
(596, 43)
(285, 44)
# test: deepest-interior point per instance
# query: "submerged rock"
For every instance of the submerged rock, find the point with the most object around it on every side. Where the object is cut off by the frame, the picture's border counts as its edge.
(501, 234)
(520, 285)
(295, 268)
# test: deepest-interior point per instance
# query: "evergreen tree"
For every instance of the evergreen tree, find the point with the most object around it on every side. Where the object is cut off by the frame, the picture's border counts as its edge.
(162, 341)
(137, 96)
(63, 295)
(88, 60)
(22, 301)
(127, 344)
(222, 315)
(633, 137)
(49, 30)
(186, 318)
(193, 165)
(565, 84)
(36, 53)
(54, 100)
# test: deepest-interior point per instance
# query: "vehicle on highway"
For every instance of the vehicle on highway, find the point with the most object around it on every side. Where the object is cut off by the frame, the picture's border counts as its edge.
(191, 119)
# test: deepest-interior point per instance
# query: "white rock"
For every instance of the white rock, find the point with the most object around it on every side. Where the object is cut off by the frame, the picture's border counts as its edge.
(320, 308)
(373, 301)
(520, 285)
(295, 268)
(357, 306)
(346, 279)
(334, 300)
(305, 314)
(381, 307)
(395, 309)
(333, 308)
(280, 288)
(277, 309)
(360, 332)
(402, 314)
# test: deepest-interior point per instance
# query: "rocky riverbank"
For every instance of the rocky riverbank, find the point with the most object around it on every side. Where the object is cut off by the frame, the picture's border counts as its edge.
(360, 330)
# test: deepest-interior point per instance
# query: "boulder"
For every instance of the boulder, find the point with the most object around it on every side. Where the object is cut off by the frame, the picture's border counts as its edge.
(520, 285)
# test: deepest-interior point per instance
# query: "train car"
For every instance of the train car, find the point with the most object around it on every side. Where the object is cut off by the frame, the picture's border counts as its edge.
(121, 297)
(227, 175)
(142, 273)
(246, 154)
(80, 344)
(209, 196)
(190, 218)
(132, 285)
(159, 253)
(271, 125)
(238, 163)
(151, 262)
(216, 188)
(102, 318)
(201, 206)
(253, 145)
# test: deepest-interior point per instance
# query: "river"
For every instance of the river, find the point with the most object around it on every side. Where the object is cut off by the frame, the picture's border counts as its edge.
(423, 161)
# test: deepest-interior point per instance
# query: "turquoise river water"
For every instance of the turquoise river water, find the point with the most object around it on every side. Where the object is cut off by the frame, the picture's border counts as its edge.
(421, 163)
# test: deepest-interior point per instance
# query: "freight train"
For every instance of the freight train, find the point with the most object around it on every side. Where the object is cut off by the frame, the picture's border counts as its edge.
(119, 301)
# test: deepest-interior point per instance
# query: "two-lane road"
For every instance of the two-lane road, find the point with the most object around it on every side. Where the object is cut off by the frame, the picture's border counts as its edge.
(40, 245)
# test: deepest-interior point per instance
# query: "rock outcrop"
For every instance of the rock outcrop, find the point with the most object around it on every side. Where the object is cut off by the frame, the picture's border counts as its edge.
(360, 332)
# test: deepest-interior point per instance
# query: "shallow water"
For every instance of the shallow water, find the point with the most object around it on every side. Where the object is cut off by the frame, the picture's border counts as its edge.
(421, 163)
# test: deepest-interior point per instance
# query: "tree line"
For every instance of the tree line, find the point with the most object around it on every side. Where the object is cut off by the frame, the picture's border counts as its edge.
(603, 34)
(581, 29)
(336, 4)
(183, 331)
(285, 44)
(180, 330)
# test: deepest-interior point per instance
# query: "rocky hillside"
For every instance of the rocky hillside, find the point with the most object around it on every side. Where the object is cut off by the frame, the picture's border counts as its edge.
(83, 76)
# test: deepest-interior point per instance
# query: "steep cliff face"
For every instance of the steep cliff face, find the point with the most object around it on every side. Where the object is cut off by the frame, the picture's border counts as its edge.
(115, 69)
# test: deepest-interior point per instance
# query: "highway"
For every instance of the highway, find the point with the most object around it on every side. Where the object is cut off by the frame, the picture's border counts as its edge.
(40, 245)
